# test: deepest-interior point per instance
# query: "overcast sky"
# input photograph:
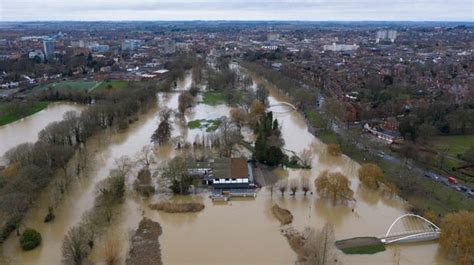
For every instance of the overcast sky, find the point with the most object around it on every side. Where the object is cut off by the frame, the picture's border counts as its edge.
(316, 10)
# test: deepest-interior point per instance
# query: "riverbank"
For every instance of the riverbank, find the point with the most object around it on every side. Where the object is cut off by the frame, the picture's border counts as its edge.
(422, 194)
(11, 112)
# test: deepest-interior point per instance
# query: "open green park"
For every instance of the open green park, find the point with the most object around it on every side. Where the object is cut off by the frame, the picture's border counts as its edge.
(71, 84)
(87, 85)
(10, 112)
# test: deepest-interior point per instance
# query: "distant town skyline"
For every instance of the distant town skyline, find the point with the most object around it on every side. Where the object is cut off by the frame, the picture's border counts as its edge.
(315, 10)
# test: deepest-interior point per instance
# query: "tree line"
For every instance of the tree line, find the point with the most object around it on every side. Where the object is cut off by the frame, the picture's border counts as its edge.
(33, 165)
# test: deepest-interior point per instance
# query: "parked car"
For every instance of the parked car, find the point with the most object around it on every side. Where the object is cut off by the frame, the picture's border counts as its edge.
(462, 188)
(470, 193)
(431, 176)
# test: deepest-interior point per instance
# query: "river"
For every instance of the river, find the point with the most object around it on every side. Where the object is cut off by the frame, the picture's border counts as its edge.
(238, 232)
(27, 129)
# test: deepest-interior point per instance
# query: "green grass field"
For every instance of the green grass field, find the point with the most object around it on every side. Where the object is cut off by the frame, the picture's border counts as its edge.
(213, 98)
(364, 249)
(327, 137)
(360, 245)
(10, 113)
(72, 84)
(112, 85)
(209, 125)
(314, 119)
(455, 144)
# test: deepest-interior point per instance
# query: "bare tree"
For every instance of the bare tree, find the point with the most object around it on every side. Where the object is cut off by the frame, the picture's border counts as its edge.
(229, 136)
(146, 157)
(294, 187)
(305, 185)
(238, 116)
(306, 157)
(282, 187)
(175, 175)
(77, 246)
(83, 160)
(123, 165)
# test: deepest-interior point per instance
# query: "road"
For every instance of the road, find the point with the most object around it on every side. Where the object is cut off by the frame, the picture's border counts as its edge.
(393, 159)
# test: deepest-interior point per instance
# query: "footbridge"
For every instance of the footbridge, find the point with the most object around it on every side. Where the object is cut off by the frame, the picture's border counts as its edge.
(283, 103)
(410, 228)
(406, 228)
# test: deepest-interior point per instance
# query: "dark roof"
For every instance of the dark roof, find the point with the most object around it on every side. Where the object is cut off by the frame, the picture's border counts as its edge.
(238, 168)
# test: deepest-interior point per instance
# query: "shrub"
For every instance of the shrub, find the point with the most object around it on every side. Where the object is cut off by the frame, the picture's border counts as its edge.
(283, 215)
(175, 207)
(30, 239)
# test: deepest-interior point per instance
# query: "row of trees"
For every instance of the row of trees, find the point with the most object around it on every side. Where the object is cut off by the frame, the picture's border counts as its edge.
(36, 164)
(80, 239)
(335, 187)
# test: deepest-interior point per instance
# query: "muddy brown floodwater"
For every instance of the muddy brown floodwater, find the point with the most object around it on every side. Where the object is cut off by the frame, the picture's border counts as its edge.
(241, 231)
(27, 129)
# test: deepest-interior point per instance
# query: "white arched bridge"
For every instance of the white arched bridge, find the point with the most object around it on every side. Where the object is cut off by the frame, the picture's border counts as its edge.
(283, 103)
(410, 228)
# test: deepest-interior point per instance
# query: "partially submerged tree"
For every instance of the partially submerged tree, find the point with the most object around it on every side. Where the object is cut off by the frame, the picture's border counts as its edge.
(77, 246)
(185, 101)
(282, 187)
(305, 185)
(334, 186)
(146, 158)
(371, 175)
(30, 239)
(457, 238)
(334, 149)
(238, 116)
(294, 186)
(175, 175)
(306, 157)
(143, 184)
(228, 136)
(163, 133)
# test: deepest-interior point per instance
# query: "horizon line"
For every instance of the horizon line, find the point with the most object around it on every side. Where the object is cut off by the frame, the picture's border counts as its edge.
(239, 20)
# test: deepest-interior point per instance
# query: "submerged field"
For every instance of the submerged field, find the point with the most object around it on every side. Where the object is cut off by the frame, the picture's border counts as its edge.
(13, 112)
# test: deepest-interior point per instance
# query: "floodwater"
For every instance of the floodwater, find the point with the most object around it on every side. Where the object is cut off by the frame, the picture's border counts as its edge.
(27, 129)
(238, 232)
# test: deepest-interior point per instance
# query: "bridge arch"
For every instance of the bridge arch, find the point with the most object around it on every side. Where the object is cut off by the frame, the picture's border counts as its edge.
(436, 228)
(288, 104)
